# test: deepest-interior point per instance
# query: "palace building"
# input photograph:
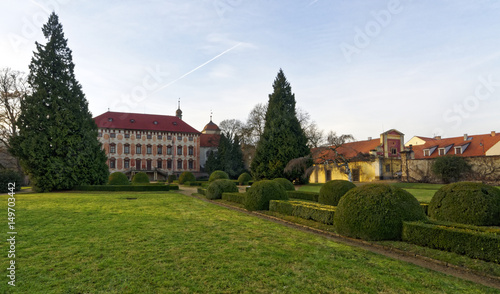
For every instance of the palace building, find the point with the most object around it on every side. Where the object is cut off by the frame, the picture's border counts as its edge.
(159, 145)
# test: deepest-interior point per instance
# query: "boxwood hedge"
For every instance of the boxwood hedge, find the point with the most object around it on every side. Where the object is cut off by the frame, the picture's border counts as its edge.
(259, 195)
(331, 192)
(217, 187)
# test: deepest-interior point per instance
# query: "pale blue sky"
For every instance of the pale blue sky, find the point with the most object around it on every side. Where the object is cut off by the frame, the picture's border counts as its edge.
(359, 67)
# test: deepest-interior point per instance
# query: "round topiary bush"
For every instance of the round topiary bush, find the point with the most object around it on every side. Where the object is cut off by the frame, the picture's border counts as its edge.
(331, 192)
(171, 178)
(285, 183)
(376, 212)
(140, 178)
(186, 177)
(217, 175)
(118, 178)
(244, 178)
(259, 195)
(468, 203)
(217, 187)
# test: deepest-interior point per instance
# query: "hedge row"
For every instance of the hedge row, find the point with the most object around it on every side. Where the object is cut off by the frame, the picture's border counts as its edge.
(307, 210)
(234, 197)
(312, 196)
(466, 240)
(127, 188)
(202, 191)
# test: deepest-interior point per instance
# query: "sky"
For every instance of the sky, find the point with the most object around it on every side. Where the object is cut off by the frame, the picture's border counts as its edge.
(425, 68)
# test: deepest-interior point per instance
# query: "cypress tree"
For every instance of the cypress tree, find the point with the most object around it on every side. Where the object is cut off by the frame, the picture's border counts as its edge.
(57, 141)
(283, 138)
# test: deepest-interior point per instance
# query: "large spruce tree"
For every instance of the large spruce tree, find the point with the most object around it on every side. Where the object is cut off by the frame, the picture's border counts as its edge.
(228, 158)
(283, 138)
(57, 140)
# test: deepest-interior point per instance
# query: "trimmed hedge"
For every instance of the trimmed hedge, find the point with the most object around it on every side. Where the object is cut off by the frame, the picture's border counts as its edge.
(285, 183)
(312, 196)
(234, 197)
(466, 240)
(140, 178)
(332, 191)
(186, 177)
(259, 195)
(468, 203)
(376, 212)
(118, 178)
(244, 179)
(9, 176)
(173, 187)
(202, 191)
(307, 210)
(218, 175)
(125, 188)
(217, 187)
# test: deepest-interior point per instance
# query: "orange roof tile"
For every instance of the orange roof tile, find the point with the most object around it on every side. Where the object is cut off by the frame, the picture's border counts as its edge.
(348, 150)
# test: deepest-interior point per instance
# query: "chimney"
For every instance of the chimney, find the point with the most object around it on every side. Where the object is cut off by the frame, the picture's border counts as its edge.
(369, 138)
(493, 133)
(465, 137)
(437, 137)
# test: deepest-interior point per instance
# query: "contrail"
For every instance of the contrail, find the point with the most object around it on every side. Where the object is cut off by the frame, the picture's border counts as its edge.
(198, 67)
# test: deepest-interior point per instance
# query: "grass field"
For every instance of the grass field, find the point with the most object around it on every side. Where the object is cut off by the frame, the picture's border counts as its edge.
(423, 192)
(169, 243)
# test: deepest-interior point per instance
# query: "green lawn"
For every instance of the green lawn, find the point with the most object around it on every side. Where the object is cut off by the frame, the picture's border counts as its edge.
(169, 243)
(423, 192)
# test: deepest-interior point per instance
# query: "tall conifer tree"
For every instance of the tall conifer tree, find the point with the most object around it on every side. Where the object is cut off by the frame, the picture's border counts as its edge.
(283, 138)
(57, 140)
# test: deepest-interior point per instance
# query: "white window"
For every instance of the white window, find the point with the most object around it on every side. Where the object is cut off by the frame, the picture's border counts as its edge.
(427, 152)
(458, 150)
(442, 151)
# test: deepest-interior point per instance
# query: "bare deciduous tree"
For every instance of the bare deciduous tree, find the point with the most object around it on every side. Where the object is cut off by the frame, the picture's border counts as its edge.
(13, 87)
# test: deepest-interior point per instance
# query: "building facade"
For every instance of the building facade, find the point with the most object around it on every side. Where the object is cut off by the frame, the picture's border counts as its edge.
(369, 160)
(159, 145)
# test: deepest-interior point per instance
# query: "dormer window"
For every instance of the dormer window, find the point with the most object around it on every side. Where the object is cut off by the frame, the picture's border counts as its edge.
(155, 122)
(110, 119)
(458, 150)
(442, 151)
(427, 152)
(132, 120)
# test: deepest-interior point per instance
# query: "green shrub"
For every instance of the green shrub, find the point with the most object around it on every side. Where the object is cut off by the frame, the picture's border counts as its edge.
(306, 210)
(466, 240)
(118, 178)
(217, 175)
(171, 178)
(259, 195)
(450, 168)
(311, 196)
(234, 197)
(9, 176)
(173, 187)
(285, 183)
(217, 187)
(136, 188)
(140, 178)
(186, 177)
(201, 191)
(332, 191)
(467, 203)
(376, 212)
(244, 179)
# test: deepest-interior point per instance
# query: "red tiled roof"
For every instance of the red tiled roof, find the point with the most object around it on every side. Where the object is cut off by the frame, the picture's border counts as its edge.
(475, 145)
(348, 150)
(209, 140)
(136, 121)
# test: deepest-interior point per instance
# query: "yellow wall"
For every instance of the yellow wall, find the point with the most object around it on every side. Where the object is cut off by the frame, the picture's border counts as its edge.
(367, 172)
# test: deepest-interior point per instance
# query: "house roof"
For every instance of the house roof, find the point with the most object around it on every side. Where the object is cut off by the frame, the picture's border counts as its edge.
(137, 121)
(209, 140)
(348, 150)
(473, 145)
(211, 127)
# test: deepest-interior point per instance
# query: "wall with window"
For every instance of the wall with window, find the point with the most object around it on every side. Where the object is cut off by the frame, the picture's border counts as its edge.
(150, 150)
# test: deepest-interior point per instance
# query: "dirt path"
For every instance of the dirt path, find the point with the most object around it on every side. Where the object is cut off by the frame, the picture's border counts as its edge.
(426, 262)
